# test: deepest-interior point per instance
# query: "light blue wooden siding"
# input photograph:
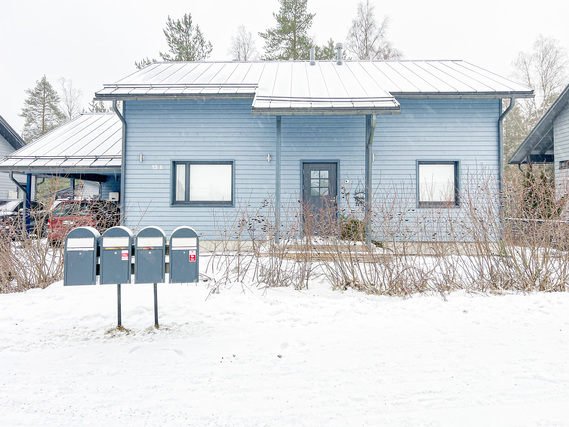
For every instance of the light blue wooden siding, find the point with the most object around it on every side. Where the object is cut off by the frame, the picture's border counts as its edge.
(202, 130)
(338, 139)
(112, 183)
(461, 130)
(465, 131)
(561, 147)
(6, 185)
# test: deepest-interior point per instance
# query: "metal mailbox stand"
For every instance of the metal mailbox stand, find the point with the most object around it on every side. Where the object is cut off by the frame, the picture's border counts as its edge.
(150, 260)
(184, 255)
(115, 260)
(80, 257)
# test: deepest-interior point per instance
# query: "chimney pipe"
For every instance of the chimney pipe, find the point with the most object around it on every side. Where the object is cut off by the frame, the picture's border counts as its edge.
(339, 47)
(312, 56)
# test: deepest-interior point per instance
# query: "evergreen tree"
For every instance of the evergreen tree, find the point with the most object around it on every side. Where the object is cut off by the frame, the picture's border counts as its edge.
(98, 107)
(328, 51)
(143, 63)
(186, 42)
(289, 39)
(41, 111)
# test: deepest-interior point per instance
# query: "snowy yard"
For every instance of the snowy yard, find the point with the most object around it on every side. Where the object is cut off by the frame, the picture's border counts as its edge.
(280, 357)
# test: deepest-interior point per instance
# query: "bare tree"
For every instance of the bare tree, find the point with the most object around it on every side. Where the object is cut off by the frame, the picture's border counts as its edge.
(243, 46)
(544, 70)
(70, 98)
(367, 39)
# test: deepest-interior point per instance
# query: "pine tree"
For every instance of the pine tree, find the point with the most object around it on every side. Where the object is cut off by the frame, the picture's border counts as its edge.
(41, 111)
(98, 107)
(186, 42)
(328, 51)
(289, 39)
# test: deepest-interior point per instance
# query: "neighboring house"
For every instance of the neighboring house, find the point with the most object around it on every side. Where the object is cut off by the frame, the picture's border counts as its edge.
(9, 142)
(87, 148)
(548, 142)
(206, 140)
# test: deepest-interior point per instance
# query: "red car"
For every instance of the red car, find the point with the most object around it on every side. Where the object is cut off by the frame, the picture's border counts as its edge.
(69, 214)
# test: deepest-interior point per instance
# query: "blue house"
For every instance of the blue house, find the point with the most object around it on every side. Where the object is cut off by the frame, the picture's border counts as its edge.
(9, 142)
(548, 142)
(203, 141)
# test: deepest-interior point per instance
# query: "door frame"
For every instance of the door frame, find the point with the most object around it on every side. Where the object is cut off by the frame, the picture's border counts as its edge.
(302, 163)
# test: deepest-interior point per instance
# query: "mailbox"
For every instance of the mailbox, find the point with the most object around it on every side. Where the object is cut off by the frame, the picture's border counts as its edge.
(150, 255)
(115, 256)
(80, 257)
(184, 255)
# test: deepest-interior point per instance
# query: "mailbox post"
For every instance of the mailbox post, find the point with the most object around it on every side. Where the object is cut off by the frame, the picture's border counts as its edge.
(115, 269)
(150, 260)
(80, 257)
(184, 255)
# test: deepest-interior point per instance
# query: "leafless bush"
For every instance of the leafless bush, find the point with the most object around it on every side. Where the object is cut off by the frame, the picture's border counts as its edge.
(27, 260)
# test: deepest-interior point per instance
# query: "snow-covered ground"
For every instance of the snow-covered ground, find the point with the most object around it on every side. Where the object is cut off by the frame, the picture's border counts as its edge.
(280, 357)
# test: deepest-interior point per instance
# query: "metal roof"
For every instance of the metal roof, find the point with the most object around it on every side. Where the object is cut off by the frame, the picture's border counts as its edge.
(297, 87)
(10, 134)
(538, 145)
(90, 142)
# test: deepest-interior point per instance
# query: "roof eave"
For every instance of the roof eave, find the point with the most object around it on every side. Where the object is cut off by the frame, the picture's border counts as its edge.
(324, 111)
(464, 95)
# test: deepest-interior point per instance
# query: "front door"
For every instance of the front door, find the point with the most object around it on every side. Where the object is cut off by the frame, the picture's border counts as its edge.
(319, 197)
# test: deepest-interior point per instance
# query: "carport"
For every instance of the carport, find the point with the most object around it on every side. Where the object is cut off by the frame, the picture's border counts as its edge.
(86, 148)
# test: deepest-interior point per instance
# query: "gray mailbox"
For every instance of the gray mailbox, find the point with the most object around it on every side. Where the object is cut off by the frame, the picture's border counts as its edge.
(115, 257)
(80, 257)
(184, 255)
(150, 255)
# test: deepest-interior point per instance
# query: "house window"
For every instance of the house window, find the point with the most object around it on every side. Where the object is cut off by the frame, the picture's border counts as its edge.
(437, 184)
(203, 183)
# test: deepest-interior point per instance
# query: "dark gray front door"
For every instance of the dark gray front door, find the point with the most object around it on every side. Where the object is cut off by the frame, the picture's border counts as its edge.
(319, 196)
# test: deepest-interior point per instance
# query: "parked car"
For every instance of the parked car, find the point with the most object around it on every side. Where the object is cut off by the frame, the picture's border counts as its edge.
(11, 218)
(69, 214)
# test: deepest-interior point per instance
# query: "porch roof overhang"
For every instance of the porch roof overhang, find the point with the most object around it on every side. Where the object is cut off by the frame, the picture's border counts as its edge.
(88, 144)
(539, 144)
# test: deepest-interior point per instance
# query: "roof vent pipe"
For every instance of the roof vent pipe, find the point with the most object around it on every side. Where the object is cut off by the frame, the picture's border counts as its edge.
(339, 47)
(312, 56)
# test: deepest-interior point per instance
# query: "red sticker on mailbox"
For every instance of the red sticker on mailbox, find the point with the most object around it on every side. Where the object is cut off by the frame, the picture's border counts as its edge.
(124, 255)
(192, 256)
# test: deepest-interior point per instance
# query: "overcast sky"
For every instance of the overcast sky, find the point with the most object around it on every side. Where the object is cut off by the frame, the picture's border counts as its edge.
(97, 42)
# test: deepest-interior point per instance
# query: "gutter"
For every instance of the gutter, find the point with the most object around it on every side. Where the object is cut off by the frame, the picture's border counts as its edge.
(123, 161)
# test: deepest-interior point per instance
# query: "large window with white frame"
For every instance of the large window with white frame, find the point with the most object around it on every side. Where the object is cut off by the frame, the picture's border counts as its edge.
(437, 183)
(200, 183)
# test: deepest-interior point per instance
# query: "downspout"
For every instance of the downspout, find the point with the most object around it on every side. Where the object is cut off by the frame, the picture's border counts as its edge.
(25, 190)
(501, 144)
(278, 181)
(371, 121)
(123, 162)
(501, 162)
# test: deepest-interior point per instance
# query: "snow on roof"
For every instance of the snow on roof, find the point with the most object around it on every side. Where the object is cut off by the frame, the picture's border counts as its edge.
(289, 87)
(88, 142)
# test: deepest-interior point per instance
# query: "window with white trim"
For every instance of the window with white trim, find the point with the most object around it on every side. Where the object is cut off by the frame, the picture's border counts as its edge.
(437, 184)
(203, 183)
